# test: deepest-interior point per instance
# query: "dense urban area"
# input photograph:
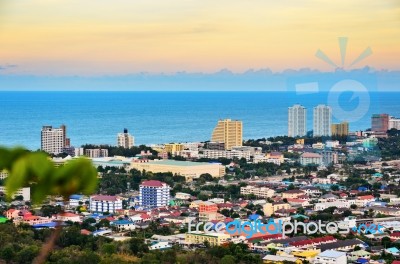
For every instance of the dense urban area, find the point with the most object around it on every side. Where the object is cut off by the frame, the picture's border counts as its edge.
(198, 202)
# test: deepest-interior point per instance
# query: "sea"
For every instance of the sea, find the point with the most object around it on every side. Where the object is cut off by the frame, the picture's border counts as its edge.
(163, 117)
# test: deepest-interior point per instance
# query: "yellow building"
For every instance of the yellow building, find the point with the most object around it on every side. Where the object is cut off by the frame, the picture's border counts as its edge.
(341, 129)
(300, 141)
(270, 208)
(215, 239)
(305, 254)
(229, 132)
(173, 147)
(190, 170)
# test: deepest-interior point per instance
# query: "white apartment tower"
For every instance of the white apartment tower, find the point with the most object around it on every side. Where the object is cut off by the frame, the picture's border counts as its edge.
(322, 121)
(53, 140)
(297, 121)
(125, 140)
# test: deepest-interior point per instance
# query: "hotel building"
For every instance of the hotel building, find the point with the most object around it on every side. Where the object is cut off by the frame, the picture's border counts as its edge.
(322, 120)
(189, 170)
(125, 139)
(53, 140)
(154, 194)
(229, 132)
(297, 121)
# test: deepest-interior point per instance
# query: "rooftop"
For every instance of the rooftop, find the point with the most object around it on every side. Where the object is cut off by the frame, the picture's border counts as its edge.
(332, 254)
(179, 163)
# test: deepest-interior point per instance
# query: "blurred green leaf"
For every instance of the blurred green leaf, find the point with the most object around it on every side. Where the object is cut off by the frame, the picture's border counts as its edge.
(38, 171)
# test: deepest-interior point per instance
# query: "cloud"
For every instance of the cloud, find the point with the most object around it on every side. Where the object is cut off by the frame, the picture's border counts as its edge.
(7, 66)
(223, 80)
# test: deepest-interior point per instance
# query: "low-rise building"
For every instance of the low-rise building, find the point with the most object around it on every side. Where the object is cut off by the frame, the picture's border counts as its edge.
(270, 208)
(214, 239)
(190, 170)
(96, 153)
(262, 192)
(293, 194)
(24, 192)
(105, 203)
(331, 257)
(309, 158)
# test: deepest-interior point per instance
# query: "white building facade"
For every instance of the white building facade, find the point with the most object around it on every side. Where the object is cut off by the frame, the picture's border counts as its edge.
(297, 121)
(322, 120)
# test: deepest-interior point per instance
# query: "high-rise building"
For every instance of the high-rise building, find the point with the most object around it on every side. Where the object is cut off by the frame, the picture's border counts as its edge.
(125, 139)
(322, 121)
(54, 140)
(380, 123)
(154, 194)
(229, 132)
(341, 129)
(297, 121)
(394, 123)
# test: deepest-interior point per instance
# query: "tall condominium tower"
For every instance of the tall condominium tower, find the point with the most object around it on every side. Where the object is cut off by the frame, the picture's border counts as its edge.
(341, 129)
(229, 132)
(380, 123)
(54, 140)
(322, 120)
(297, 121)
(125, 140)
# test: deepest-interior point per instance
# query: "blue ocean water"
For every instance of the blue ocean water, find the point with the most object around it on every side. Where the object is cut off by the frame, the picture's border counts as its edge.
(161, 117)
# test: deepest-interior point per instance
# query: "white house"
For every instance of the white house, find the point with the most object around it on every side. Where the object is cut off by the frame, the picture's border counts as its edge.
(331, 257)
(105, 203)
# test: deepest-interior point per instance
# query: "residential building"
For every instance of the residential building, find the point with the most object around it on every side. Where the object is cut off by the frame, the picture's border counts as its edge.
(214, 239)
(260, 192)
(229, 132)
(338, 204)
(329, 157)
(105, 203)
(309, 158)
(270, 208)
(331, 257)
(189, 170)
(125, 139)
(215, 145)
(275, 157)
(182, 196)
(173, 147)
(274, 259)
(53, 140)
(122, 225)
(332, 143)
(294, 194)
(394, 123)
(3, 174)
(297, 121)
(322, 121)
(24, 192)
(341, 129)
(229, 154)
(380, 123)
(154, 194)
(96, 153)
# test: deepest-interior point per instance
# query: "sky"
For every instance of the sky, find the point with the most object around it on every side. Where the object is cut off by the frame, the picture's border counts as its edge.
(92, 40)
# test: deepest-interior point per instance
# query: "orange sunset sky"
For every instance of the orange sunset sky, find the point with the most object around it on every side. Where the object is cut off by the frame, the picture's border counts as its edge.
(103, 37)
